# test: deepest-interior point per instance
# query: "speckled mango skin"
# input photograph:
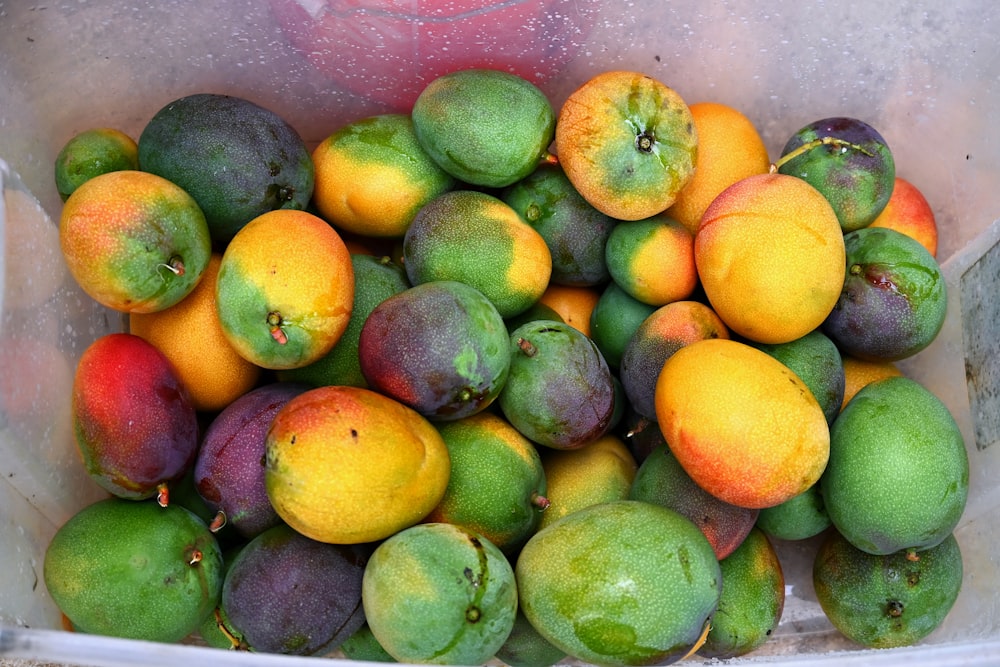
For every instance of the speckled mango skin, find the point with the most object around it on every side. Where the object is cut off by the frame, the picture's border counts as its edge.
(372, 176)
(375, 280)
(483, 126)
(898, 476)
(496, 479)
(92, 153)
(753, 597)
(438, 347)
(665, 331)
(337, 456)
(237, 159)
(817, 361)
(620, 583)
(476, 238)
(661, 480)
(894, 299)
(743, 426)
(770, 257)
(134, 423)
(600, 471)
(133, 241)
(857, 179)
(124, 568)
(886, 601)
(293, 266)
(628, 144)
(575, 231)
(653, 260)
(437, 593)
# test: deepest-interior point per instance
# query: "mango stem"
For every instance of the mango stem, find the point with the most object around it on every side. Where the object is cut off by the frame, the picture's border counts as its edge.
(162, 494)
(701, 640)
(526, 347)
(274, 321)
(219, 522)
(815, 143)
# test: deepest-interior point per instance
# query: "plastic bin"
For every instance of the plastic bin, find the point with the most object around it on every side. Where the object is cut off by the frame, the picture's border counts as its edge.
(926, 74)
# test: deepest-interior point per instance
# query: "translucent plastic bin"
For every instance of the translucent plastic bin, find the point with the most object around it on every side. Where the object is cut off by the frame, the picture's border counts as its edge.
(926, 74)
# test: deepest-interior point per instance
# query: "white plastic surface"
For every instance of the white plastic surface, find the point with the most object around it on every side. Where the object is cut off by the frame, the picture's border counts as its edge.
(925, 73)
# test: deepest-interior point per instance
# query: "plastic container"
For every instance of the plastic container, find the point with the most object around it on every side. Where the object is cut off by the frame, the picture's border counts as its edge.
(926, 74)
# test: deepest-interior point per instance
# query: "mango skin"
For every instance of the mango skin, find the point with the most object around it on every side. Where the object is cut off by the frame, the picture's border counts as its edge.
(798, 518)
(890, 600)
(894, 299)
(496, 483)
(666, 330)
(229, 469)
(661, 480)
(440, 594)
(627, 142)
(133, 421)
(817, 361)
(526, 648)
(478, 239)
(124, 568)
(898, 474)
(127, 235)
(375, 280)
(285, 593)
(348, 465)
(743, 426)
(620, 583)
(857, 179)
(560, 392)
(753, 597)
(574, 231)
(483, 126)
(237, 159)
(442, 372)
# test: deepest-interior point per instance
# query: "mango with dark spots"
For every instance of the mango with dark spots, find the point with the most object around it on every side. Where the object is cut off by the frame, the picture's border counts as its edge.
(817, 361)
(890, 600)
(439, 593)
(229, 468)
(753, 598)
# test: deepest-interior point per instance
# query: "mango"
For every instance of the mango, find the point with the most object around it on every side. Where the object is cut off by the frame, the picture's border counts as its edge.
(133, 569)
(440, 594)
(439, 347)
(620, 583)
(133, 420)
(286, 593)
(559, 392)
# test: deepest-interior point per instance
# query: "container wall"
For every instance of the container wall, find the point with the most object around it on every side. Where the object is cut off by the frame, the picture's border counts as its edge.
(925, 74)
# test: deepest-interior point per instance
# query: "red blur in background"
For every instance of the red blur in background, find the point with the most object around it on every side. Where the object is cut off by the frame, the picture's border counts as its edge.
(388, 50)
